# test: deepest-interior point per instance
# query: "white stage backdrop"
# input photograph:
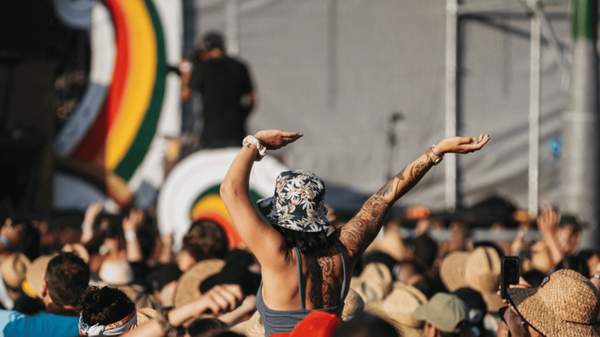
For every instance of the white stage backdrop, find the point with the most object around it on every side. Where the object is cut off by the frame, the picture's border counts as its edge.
(336, 69)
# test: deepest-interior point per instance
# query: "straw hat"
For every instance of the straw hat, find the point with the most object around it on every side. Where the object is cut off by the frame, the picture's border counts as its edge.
(374, 283)
(353, 305)
(565, 305)
(482, 273)
(145, 314)
(398, 309)
(452, 270)
(77, 249)
(188, 288)
(36, 276)
(13, 269)
(116, 272)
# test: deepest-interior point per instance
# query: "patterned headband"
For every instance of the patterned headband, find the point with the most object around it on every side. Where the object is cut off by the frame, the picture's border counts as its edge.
(112, 329)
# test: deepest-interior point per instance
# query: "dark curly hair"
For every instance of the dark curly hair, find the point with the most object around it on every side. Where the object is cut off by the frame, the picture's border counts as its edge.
(105, 305)
(313, 246)
(206, 240)
(67, 277)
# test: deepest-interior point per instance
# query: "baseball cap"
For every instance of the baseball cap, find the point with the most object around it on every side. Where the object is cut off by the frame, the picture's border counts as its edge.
(443, 311)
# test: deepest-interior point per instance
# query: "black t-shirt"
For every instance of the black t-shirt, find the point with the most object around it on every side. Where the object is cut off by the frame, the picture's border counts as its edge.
(222, 82)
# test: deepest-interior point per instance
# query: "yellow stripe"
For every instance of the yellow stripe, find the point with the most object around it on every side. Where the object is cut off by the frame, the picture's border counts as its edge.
(210, 203)
(141, 74)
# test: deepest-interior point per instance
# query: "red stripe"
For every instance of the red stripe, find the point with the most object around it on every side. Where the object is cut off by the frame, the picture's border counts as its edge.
(94, 142)
(232, 234)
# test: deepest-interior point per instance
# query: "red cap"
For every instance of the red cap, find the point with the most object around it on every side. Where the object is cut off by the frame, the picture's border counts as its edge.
(316, 324)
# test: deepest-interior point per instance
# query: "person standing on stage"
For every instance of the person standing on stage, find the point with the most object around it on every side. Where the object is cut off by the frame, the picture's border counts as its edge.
(227, 92)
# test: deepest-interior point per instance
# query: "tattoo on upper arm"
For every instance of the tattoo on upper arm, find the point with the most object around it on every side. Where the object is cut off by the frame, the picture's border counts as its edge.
(358, 233)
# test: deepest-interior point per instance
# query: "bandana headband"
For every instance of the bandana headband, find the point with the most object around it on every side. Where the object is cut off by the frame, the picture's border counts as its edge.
(112, 329)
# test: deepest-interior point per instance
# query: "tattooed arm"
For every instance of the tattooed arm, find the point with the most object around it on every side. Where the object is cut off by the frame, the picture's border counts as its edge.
(359, 232)
(260, 237)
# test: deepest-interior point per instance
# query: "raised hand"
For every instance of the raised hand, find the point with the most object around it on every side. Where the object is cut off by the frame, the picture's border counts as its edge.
(276, 139)
(133, 221)
(92, 211)
(548, 220)
(461, 144)
(221, 299)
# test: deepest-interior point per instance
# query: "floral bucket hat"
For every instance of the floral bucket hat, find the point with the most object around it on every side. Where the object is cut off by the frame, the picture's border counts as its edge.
(298, 203)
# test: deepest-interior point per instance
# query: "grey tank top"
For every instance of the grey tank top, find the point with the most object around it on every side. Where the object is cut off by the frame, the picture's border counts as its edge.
(280, 321)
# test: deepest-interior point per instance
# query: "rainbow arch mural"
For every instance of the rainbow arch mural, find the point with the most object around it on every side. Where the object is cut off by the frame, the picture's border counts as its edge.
(180, 202)
(131, 102)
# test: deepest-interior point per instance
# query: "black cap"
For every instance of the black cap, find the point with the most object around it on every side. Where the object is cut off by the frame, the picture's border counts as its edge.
(213, 40)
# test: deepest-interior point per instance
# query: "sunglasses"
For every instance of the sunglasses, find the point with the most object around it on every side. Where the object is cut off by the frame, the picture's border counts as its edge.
(515, 324)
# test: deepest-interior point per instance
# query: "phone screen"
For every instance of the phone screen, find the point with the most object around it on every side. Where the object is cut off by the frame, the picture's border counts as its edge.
(510, 273)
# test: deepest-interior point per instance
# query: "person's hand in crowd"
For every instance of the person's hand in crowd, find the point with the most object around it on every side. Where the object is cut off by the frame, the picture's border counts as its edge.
(241, 313)
(519, 243)
(133, 221)
(131, 224)
(166, 248)
(461, 144)
(220, 299)
(422, 227)
(89, 217)
(276, 139)
(548, 220)
(92, 212)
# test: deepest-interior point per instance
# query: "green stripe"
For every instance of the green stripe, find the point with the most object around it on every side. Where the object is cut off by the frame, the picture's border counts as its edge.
(141, 144)
(214, 190)
(584, 19)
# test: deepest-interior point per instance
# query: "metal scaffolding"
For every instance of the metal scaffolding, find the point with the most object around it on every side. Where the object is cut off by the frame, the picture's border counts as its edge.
(537, 11)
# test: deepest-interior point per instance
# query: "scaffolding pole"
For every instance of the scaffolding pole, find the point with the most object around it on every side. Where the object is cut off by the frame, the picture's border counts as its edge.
(534, 111)
(579, 155)
(232, 26)
(451, 113)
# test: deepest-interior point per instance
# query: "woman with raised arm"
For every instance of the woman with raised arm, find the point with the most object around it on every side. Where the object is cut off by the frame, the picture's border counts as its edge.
(306, 263)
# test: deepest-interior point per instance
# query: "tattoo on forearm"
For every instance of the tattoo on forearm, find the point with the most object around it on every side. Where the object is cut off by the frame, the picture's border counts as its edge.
(358, 233)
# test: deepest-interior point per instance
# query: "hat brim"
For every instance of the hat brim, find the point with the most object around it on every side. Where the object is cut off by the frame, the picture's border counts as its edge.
(377, 309)
(531, 308)
(452, 272)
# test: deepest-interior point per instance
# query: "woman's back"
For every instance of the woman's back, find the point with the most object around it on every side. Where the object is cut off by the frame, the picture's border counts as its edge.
(298, 208)
(283, 301)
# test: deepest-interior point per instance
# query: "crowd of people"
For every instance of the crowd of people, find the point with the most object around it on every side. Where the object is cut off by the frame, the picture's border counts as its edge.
(300, 270)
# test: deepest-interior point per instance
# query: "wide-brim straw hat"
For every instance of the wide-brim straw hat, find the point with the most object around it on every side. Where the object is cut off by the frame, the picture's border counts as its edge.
(566, 304)
(13, 269)
(36, 276)
(399, 307)
(482, 273)
(188, 288)
(452, 270)
(145, 314)
(374, 283)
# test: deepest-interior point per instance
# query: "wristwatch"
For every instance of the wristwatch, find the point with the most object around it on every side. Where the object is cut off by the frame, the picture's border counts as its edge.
(251, 140)
(434, 157)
